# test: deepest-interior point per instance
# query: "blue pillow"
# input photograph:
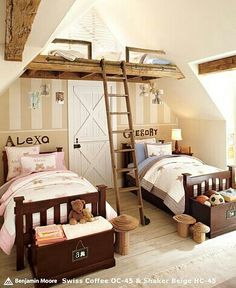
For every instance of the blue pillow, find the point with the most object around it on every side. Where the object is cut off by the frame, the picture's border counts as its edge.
(140, 152)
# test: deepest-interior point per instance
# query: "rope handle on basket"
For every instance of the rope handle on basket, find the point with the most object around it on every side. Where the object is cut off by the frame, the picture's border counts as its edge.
(79, 242)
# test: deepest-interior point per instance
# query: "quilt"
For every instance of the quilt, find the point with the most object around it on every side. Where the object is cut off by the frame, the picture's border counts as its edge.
(36, 187)
(163, 177)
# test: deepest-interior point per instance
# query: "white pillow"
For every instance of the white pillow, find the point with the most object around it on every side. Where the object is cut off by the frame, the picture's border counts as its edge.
(38, 163)
(158, 149)
(13, 157)
(146, 140)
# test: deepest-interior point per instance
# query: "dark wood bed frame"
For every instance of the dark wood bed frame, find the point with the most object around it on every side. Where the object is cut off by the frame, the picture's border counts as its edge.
(24, 212)
(192, 184)
(24, 235)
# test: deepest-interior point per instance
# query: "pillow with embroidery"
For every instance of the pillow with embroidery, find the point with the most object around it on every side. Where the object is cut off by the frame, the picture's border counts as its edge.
(13, 157)
(38, 163)
(146, 140)
(60, 159)
(158, 149)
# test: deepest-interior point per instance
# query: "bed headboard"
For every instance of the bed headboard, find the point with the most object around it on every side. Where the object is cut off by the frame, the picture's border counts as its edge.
(5, 162)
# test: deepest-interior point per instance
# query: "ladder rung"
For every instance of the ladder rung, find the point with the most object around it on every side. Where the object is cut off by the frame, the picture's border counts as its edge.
(122, 131)
(128, 189)
(121, 170)
(111, 78)
(123, 150)
(119, 113)
(117, 95)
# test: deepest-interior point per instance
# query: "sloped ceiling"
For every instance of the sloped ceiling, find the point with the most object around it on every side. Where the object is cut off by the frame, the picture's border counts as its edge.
(188, 30)
(52, 16)
(91, 27)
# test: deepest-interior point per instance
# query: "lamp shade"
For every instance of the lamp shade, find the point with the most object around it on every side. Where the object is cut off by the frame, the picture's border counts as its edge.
(176, 134)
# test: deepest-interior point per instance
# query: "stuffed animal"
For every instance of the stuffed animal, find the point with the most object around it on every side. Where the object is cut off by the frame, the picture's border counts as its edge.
(76, 214)
(203, 199)
(88, 216)
(210, 192)
(216, 199)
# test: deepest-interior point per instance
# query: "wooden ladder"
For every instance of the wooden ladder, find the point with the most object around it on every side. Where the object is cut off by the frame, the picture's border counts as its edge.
(116, 170)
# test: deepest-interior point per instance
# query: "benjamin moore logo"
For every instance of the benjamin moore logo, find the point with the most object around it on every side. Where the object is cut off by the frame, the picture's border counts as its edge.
(8, 282)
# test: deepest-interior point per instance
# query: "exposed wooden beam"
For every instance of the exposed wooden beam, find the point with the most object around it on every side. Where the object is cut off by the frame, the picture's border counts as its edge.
(19, 19)
(71, 76)
(227, 63)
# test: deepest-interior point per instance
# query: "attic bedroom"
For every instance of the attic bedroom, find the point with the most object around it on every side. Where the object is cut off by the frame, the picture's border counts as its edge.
(117, 132)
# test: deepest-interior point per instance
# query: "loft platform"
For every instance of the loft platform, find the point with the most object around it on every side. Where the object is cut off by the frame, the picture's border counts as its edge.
(57, 67)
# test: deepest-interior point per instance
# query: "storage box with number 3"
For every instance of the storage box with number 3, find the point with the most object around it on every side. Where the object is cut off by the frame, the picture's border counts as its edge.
(71, 258)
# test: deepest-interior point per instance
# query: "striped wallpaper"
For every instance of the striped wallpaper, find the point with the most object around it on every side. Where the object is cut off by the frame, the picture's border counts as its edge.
(145, 114)
(16, 113)
(17, 119)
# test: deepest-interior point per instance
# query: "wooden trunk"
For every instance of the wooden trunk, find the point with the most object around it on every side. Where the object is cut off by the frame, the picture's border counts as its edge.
(56, 261)
(221, 219)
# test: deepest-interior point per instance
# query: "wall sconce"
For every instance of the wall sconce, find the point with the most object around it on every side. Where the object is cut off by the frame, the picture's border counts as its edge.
(151, 90)
(145, 90)
(157, 97)
(176, 135)
(44, 90)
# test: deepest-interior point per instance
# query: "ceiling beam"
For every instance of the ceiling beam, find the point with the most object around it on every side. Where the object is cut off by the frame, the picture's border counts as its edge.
(19, 19)
(223, 64)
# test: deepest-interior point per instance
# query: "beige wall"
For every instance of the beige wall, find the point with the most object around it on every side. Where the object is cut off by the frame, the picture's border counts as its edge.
(207, 139)
(17, 119)
(146, 115)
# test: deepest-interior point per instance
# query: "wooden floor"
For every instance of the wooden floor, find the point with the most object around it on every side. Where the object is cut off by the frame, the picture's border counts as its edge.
(153, 248)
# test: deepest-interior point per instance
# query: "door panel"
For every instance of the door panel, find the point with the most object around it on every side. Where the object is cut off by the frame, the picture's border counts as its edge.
(88, 127)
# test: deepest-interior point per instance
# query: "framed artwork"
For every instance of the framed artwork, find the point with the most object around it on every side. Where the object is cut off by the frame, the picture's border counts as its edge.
(60, 97)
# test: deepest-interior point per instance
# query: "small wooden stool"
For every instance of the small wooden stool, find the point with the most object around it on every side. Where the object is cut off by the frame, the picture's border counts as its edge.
(199, 232)
(183, 222)
(122, 225)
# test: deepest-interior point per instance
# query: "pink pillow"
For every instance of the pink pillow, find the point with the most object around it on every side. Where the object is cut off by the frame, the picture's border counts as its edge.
(47, 162)
(60, 160)
(13, 156)
(37, 163)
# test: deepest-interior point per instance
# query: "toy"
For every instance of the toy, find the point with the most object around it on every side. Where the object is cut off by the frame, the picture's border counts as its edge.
(203, 199)
(210, 192)
(87, 215)
(216, 199)
(76, 214)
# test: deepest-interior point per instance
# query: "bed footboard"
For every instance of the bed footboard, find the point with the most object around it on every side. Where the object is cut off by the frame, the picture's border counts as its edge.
(197, 185)
(24, 216)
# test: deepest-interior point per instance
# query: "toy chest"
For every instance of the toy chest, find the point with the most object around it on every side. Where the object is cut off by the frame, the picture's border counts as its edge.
(71, 258)
(221, 218)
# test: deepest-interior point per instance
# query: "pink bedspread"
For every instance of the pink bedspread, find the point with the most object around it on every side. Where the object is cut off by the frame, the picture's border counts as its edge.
(36, 187)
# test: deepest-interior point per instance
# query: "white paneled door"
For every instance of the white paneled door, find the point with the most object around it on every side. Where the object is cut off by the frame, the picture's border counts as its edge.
(89, 151)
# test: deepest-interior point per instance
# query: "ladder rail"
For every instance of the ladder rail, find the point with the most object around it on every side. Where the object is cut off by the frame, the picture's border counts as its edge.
(130, 120)
(115, 170)
(115, 182)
